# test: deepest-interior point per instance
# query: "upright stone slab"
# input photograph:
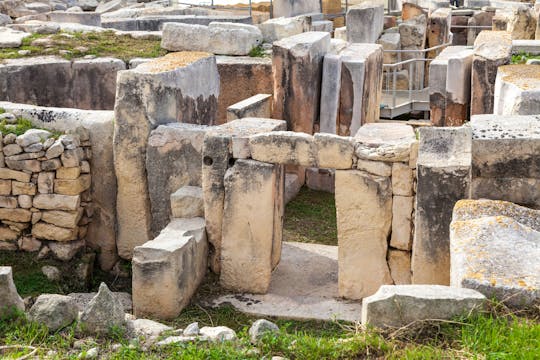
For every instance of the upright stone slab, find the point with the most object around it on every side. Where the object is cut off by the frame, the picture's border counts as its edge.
(517, 90)
(449, 88)
(506, 158)
(297, 61)
(491, 50)
(354, 73)
(168, 270)
(365, 22)
(174, 160)
(288, 8)
(9, 297)
(439, 23)
(364, 218)
(248, 226)
(494, 250)
(413, 37)
(157, 92)
(443, 177)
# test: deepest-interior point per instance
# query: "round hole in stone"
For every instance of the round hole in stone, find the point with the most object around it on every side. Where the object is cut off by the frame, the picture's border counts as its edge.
(207, 160)
(231, 162)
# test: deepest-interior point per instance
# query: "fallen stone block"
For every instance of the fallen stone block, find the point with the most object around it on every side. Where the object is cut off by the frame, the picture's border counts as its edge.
(54, 311)
(173, 265)
(217, 38)
(517, 90)
(365, 22)
(401, 305)
(494, 249)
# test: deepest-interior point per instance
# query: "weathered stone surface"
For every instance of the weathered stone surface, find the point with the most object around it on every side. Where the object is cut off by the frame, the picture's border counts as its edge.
(384, 142)
(249, 229)
(364, 218)
(494, 249)
(174, 160)
(413, 37)
(284, 147)
(438, 32)
(17, 215)
(296, 61)
(53, 311)
(72, 187)
(102, 313)
(9, 202)
(24, 165)
(402, 208)
(282, 27)
(365, 22)
(390, 42)
(261, 328)
(505, 160)
(491, 50)
(288, 8)
(321, 179)
(6, 173)
(5, 187)
(521, 23)
(399, 263)
(257, 106)
(83, 299)
(410, 10)
(401, 305)
(9, 298)
(375, 167)
(517, 90)
(67, 219)
(65, 251)
(217, 38)
(172, 96)
(443, 176)
(42, 230)
(57, 202)
(334, 151)
(187, 202)
(173, 265)
(148, 329)
(218, 333)
(11, 38)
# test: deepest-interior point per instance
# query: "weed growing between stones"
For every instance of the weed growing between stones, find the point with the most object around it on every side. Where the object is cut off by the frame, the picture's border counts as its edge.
(257, 51)
(522, 57)
(21, 126)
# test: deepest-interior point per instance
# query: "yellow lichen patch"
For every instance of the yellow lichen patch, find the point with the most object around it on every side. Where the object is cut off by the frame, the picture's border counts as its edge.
(526, 77)
(522, 283)
(174, 61)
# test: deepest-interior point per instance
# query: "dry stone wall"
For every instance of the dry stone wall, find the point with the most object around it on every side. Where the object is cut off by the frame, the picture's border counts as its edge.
(45, 201)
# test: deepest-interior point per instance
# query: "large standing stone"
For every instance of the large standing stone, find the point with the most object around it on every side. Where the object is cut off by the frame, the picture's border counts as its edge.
(517, 90)
(249, 229)
(521, 23)
(491, 50)
(103, 313)
(54, 311)
(298, 61)
(172, 265)
(506, 158)
(173, 160)
(443, 176)
(157, 92)
(218, 38)
(364, 219)
(438, 32)
(288, 8)
(413, 37)
(365, 22)
(9, 298)
(400, 305)
(494, 249)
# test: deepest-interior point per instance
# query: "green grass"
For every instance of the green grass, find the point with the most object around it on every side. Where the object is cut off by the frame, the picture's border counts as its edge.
(257, 51)
(311, 218)
(104, 43)
(522, 57)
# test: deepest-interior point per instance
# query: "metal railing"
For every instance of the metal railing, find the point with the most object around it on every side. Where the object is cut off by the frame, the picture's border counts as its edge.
(416, 96)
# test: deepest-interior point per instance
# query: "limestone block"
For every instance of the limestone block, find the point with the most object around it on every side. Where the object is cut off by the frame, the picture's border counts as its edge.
(173, 160)
(517, 90)
(168, 95)
(493, 250)
(24, 165)
(25, 201)
(322, 25)
(53, 164)
(250, 76)
(7, 234)
(66, 219)
(284, 147)
(65, 251)
(296, 61)
(9, 298)
(389, 142)
(340, 33)
(443, 176)
(12, 38)
(491, 50)
(20, 188)
(72, 157)
(399, 263)
(282, 27)
(187, 202)
(365, 22)
(257, 106)
(173, 265)
(9, 202)
(413, 37)
(364, 217)
(57, 202)
(334, 152)
(439, 23)
(521, 23)
(402, 208)
(248, 226)
(400, 305)
(292, 187)
(330, 88)
(217, 38)
(6, 173)
(505, 158)
(402, 179)
(410, 11)
(42, 230)
(45, 183)
(321, 179)
(375, 167)
(5, 187)
(71, 173)
(16, 215)
(288, 8)
(72, 187)
(390, 42)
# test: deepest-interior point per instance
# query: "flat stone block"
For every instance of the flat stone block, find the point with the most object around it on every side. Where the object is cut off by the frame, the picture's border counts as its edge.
(284, 147)
(389, 142)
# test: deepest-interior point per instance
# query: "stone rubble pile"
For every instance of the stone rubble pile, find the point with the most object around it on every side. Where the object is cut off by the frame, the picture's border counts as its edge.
(45, 198)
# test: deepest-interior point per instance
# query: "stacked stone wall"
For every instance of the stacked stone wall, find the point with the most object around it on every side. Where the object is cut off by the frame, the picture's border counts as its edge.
(45, 199)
